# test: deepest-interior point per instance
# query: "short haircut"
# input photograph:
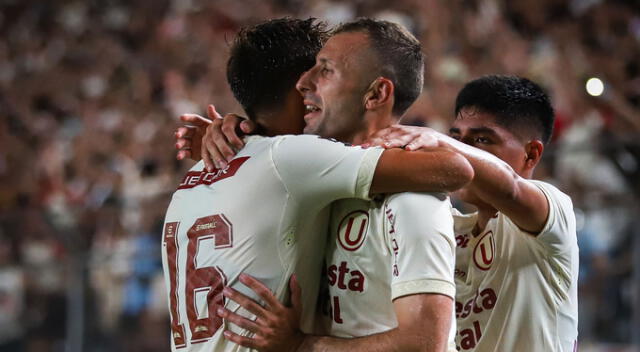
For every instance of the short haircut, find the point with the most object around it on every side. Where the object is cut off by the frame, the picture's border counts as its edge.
(517, 103)
(267, 60)
(400, 56)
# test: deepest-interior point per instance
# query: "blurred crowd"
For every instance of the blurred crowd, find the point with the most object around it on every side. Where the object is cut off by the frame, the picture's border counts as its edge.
(90, 93)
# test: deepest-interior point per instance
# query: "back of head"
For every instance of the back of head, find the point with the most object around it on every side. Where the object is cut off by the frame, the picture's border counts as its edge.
(400, 56)
(267, 59)
(517, 103)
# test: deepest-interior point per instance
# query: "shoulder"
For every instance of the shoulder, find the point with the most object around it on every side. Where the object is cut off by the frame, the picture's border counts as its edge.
(420, 212)
(308, 145)
(307, 138)
(555, 197)
(559, 231)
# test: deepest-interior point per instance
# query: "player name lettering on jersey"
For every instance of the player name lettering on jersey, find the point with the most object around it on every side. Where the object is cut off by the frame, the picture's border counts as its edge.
(392, 234)
(196, 178)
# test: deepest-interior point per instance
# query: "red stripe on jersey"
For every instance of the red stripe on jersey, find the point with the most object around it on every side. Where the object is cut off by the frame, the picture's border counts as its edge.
(196, 178)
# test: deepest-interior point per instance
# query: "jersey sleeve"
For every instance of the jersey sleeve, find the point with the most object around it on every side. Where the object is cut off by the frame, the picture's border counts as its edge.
(323, 170)
(420, 227)
(559, 232)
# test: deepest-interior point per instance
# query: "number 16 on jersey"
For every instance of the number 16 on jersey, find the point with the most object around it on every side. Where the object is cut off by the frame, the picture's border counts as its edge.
(203, 284)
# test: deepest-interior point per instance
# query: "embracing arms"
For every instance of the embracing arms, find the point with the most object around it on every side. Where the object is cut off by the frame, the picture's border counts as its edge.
(431, 169)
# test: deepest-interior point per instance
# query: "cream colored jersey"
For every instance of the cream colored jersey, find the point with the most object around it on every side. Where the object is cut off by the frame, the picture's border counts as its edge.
(381, 250)
(259, 215)
(517, 291)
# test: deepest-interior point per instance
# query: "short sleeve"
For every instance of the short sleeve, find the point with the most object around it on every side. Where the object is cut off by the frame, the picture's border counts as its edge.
(559, 232)
(422, 242)
(324, 170)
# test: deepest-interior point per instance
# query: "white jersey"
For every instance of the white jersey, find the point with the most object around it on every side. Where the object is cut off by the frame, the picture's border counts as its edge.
(381, 250)
(516, 291)
(259, 215)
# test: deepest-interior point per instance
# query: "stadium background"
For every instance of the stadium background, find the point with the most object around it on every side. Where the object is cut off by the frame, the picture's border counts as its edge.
(90, 92)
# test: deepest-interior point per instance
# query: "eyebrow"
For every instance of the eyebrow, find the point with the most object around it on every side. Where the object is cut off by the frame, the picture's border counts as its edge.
(324, 60)
(474, 130)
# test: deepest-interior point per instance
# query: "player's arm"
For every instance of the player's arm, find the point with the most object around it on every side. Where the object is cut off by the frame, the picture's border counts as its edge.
(424, 321)
(428, 170)
(423, 324)
(494, 181)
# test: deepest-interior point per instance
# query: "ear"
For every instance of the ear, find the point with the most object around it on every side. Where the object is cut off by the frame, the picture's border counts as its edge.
(379, 93)
(533, 151)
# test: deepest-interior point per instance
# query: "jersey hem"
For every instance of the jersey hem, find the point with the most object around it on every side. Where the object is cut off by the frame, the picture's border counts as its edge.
(366, 172)
(423, 286)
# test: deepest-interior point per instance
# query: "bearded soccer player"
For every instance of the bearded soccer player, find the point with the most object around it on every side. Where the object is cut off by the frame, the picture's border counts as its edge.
(390, 261)
(265, 213)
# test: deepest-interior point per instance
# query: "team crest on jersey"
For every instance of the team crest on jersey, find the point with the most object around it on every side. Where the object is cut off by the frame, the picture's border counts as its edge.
(484, 251)
(353, 230)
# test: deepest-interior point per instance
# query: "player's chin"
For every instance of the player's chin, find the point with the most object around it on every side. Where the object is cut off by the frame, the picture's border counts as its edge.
(311, 128)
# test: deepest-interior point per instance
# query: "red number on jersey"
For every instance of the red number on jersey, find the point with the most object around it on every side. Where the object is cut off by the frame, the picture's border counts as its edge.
(207, 281)
(171, 246)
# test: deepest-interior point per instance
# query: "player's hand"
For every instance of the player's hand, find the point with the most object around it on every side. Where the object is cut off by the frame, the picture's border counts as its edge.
(276, 327)
(189, 137)
(221, 139)
(407, 137)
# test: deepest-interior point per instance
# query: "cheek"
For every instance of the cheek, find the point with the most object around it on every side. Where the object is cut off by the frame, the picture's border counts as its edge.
(514, 157)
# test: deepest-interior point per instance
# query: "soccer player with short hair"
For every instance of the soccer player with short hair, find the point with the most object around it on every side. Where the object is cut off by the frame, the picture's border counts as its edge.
(265, 212)
(517, 256)
(390, 261)
(351, 93)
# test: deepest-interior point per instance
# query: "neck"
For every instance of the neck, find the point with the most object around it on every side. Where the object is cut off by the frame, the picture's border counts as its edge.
(484, 214)
(485, 210)
(528, 174)
(373, 122)
(267, 126)
(277, 123)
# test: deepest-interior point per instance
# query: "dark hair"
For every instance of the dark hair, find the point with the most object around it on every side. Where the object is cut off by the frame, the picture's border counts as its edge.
(400, 55)
(267, 59)
(516, 102)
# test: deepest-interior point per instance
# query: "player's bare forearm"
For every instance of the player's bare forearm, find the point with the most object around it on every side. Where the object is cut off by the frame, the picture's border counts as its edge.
(433, 170)
(494, 181)
(497, 184)
(388, 341)
(372, 343)
(424, 321)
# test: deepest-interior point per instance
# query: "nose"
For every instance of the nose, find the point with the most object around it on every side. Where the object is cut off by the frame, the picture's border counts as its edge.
(305, 83)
